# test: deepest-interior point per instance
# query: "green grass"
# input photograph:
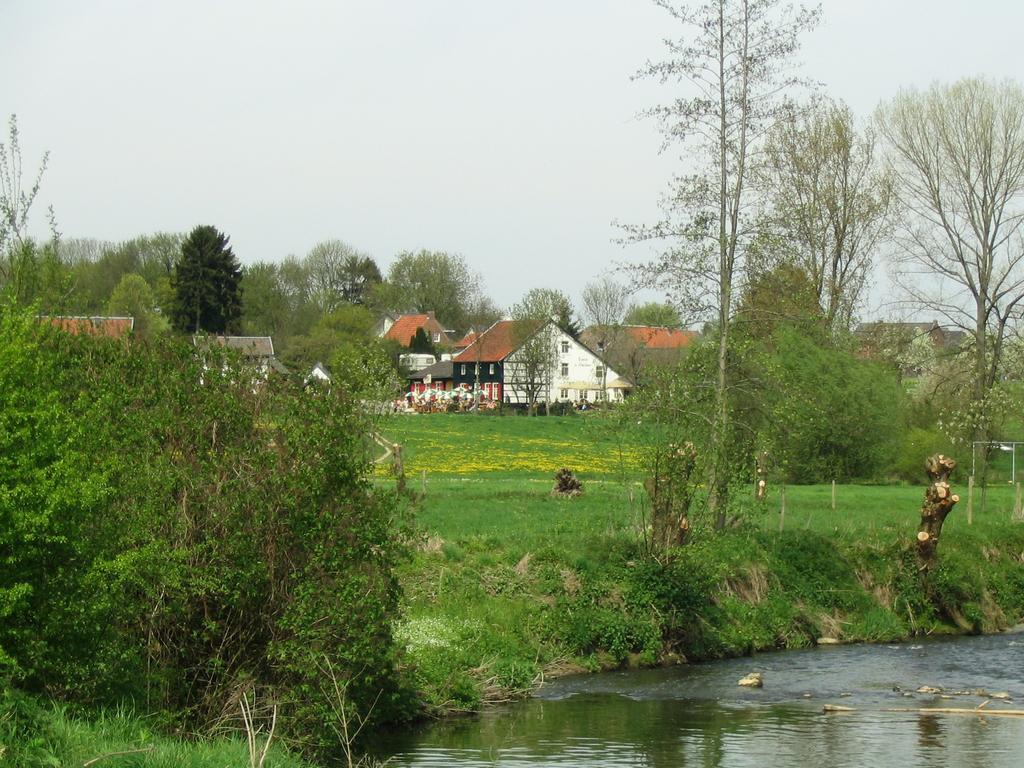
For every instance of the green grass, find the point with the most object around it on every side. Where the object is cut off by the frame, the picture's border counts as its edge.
(33, 734)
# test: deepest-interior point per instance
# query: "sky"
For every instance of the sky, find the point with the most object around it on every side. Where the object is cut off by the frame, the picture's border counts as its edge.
(507, 132)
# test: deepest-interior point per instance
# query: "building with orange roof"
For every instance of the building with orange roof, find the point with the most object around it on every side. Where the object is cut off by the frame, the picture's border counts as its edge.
(632, 348)
(82, 325)
(402, 329)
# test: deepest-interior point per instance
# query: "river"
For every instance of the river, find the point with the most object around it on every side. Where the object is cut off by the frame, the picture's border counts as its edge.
(696, 714)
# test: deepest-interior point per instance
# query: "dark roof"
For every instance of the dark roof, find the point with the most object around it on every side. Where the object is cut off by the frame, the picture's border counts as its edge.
(246, 346)
(443, 369)
(80, 325)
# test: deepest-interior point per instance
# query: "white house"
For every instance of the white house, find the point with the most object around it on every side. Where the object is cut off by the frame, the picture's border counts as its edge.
(514, 364)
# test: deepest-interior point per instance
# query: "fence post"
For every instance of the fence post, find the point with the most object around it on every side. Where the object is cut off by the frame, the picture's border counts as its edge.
(970, 500)
(833, 495)
(1017, 513)
(782, 510)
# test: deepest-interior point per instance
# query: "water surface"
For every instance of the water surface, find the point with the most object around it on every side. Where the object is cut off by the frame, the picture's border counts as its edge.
(696, 715)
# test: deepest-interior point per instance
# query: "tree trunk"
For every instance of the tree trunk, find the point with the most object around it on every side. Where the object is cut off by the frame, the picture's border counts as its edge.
(761, 482)
(938, 503)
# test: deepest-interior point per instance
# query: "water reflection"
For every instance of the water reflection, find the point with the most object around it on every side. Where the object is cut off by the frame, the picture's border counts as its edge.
(695, 716)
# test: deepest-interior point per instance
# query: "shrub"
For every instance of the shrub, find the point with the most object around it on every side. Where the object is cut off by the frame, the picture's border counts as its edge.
(172, 527)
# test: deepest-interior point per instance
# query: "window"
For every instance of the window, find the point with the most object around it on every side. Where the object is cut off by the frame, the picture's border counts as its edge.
(599, 396)
(600, 372)
(565, 394)
(463, 367)
(565, 347)
(437, 337)
(565, 369)
(490, 369)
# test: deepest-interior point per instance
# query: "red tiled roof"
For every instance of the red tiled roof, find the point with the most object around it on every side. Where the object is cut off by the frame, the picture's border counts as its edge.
(405, 328)
(496, 343)
(661, 338)
(113, 327)
(466, 340)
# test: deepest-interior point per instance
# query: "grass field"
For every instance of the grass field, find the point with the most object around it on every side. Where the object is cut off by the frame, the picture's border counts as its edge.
(491, 476)
(509, 584)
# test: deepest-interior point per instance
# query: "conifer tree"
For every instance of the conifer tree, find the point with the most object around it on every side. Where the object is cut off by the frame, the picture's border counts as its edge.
(207, 284)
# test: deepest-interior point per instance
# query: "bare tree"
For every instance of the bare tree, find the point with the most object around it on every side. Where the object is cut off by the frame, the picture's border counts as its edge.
(604, 304)
(734, 63)
(958, 152)
(830, 202)
(15, 197)
(530, 369)
(20, 259)
(338, 273)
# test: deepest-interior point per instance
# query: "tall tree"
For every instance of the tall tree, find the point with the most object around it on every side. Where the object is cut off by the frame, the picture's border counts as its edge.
(266, 306)
(830, 201)
(735, 63)
(958, 152)
(133, 297)
(207, 284)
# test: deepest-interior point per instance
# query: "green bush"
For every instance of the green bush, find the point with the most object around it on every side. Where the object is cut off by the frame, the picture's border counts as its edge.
(173, 531)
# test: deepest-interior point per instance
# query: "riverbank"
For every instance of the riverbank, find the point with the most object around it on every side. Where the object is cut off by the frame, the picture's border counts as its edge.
(510, 586)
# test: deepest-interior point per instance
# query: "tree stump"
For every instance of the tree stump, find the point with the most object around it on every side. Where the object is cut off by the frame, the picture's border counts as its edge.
(566, 483)
(938, 503)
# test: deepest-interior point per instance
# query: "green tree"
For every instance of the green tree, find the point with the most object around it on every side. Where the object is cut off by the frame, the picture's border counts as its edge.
(653, 313)
(350, 325)
(785, 295)
(431, 281)
(133, 297)
(421, 343)
(207, 284)
(829, 415)
(267, 309)
(174, 543)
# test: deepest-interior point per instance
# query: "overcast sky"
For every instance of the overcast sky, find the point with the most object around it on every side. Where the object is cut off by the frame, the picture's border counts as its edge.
(504, 131)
